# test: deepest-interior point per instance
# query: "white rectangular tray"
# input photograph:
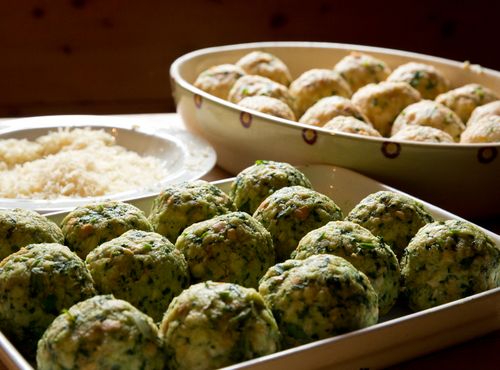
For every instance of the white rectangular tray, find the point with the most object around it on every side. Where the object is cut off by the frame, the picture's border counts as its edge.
(399, 336)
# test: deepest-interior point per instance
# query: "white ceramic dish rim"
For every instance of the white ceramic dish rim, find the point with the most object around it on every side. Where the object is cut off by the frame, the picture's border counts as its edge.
(176, 75)
(14, 360)
(10, 355)
(360, 332)
(198, 155)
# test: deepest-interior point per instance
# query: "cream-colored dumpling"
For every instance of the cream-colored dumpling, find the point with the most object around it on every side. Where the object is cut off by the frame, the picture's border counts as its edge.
(267, 65)
(219, 79)
(351, 125)
(432, 114)
(268, 105)
(465, 99)
(429, 81)
(253, 85)
(315, 84)
(330, 107)
(426, 134)
(487, 110)
(486, 130)
(360, 69)
(382, 102)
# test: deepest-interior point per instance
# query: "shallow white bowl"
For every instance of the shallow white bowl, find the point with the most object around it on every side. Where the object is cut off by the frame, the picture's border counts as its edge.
(184, 155)
(463, 178)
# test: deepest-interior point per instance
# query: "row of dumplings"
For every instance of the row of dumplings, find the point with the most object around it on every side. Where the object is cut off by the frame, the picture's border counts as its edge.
(361, 95)
(228, 277)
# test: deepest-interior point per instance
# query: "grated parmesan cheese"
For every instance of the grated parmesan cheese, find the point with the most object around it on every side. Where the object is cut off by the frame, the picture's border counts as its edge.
(73, 163)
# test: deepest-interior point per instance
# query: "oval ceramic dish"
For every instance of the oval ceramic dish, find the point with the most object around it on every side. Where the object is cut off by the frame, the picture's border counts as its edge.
(464, 178)
(184, 155)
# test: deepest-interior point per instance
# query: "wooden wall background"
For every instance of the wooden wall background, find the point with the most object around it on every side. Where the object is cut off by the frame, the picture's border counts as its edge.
(111, 56)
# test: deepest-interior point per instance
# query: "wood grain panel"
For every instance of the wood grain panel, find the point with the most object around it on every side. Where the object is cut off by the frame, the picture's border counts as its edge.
(110, 56)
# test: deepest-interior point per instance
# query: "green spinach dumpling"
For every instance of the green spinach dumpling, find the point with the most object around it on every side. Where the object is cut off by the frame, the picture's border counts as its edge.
(447, 261)
(317, 298)
(101, 333)
(213, 325)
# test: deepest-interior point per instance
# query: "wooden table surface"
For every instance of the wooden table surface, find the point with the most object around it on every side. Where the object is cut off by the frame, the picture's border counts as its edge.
(480, 353)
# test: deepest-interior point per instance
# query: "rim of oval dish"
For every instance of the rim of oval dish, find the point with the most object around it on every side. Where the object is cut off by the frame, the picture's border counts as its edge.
(176, 75)
(197, 155)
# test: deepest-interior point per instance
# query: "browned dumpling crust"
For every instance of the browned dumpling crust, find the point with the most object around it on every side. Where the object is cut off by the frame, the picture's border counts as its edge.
(465, 99)
(351, 125)
(382, 102)
(426, 134)
(253, 85)
(218, 80)
(486, 130)
(432, 114)
(360, 69)
(268, 105)
(330, 107)
(266, 65)
(483, 111)
(427, 79)
(315, 84)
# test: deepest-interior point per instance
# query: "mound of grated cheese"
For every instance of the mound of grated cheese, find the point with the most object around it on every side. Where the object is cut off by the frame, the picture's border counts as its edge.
(73, 163)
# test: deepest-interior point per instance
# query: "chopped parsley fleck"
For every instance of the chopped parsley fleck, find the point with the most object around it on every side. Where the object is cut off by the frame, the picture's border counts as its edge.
(415, 81)
(367, 245)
